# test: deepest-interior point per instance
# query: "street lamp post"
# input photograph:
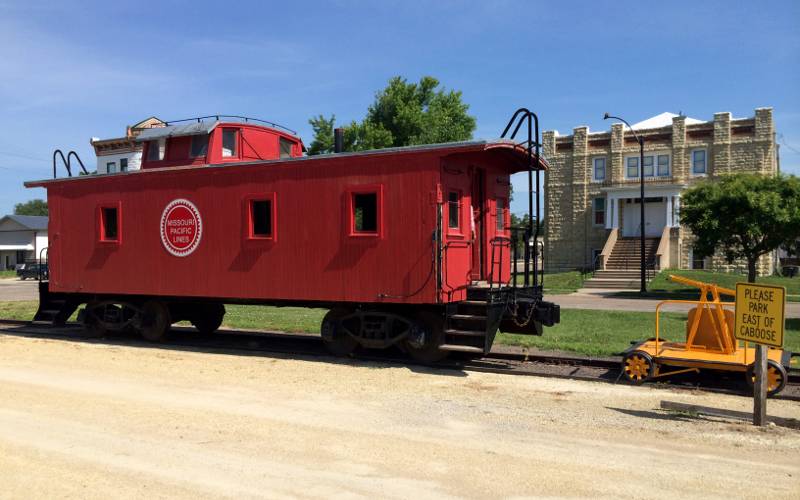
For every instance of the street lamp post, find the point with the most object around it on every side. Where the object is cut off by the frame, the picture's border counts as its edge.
(640, 140)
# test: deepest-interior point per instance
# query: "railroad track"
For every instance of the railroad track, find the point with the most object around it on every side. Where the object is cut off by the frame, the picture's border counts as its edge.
(310, 346)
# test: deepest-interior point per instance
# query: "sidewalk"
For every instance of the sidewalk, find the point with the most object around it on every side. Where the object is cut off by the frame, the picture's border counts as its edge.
(603, 299)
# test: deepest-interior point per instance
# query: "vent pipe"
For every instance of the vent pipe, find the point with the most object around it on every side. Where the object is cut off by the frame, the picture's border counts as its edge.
(338, 140)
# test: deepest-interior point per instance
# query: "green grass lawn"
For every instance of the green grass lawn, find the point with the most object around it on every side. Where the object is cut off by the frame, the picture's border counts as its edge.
(661, 283)
(593, 333)
(4, 275)
(560, 283)
(604, 333)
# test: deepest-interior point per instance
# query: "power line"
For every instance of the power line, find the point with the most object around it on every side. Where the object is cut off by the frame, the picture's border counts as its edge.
(17, 155)
(783, 142)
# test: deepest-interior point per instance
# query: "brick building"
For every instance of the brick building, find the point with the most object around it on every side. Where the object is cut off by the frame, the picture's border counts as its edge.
(591, 198)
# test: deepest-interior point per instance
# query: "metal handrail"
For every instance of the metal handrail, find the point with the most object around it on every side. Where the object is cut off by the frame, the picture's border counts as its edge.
(594, 264)
(497, 241)
(43, 252)
(718, 303)
(246, 119)
(519, 117)
(66, 160)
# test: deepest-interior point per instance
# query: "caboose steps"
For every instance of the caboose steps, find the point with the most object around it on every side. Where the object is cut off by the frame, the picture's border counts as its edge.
(465, 333)
(468, 317)
(54, 308)
(461, 348)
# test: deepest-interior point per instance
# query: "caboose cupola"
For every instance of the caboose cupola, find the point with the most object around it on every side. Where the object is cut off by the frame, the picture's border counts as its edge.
(217, 139)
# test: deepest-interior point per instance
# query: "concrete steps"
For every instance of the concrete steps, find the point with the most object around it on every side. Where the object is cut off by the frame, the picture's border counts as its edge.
(622, 266)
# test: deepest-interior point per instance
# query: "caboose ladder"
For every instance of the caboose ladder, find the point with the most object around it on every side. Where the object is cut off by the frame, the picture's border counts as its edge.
(472, 324)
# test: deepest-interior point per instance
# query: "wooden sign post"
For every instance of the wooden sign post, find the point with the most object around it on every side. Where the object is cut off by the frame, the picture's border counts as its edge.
(759, 319)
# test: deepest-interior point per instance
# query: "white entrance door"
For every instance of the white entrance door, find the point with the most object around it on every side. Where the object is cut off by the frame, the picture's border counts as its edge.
(655, 215)
(655, 219)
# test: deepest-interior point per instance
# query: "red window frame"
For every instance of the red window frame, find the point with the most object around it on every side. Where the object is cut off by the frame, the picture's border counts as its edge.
(248, 216)
(101, 226)
(377, 190)
(501, 215)
(457, 231)
(238, 152)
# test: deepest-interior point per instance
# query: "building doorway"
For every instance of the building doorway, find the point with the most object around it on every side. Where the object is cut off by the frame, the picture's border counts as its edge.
(655, 214)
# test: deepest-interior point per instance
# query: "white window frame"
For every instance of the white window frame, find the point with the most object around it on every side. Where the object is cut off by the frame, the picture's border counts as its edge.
(669, 165)
(627, 167)
(640, 170)
(111, 167)
(595, 178)
(705, 160)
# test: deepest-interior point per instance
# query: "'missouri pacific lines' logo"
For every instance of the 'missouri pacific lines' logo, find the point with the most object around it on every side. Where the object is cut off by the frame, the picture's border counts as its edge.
(181, 227)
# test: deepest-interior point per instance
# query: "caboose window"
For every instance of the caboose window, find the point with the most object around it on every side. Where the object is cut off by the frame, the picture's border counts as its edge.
(261, 218)
(228, 142)
(365, 212)
(155, 150)
(199, 145)
(285, 147)
(109, 224)
(501, 215)
(453, 205)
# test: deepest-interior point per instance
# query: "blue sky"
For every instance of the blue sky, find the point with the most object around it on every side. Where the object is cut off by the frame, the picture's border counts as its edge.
(70, 71)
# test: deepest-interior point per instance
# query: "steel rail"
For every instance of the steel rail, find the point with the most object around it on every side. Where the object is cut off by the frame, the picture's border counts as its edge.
(310, 345)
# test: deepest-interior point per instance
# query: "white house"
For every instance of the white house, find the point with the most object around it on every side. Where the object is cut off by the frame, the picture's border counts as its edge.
(122, 154)
(22, 238)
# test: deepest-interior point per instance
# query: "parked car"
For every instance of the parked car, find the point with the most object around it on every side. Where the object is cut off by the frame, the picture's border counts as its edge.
(32, 271)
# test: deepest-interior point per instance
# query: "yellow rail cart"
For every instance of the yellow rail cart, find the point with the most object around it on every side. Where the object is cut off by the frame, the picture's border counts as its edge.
(710, 344)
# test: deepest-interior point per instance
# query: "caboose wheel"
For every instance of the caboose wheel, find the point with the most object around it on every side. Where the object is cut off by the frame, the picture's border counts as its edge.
(155, 321)
(93, 326)
(776, 377)
(209, 318)
(337, 341)
(638, 366)
(425, 346)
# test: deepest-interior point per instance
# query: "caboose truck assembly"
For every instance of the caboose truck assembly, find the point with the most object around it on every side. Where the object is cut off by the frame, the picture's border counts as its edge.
(406, 246)
(710, 344)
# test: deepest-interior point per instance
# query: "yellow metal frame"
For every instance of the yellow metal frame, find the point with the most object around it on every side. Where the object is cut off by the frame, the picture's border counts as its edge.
(724, 352)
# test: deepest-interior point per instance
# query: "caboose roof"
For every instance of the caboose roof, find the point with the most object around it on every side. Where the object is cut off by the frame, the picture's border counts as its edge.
(193, 128)
(513, 150)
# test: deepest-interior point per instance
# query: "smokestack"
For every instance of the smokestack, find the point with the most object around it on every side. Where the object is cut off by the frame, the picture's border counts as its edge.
(338, 140)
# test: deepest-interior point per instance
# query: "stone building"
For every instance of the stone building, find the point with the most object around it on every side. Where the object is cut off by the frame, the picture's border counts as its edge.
(121, 154)
(592, 206)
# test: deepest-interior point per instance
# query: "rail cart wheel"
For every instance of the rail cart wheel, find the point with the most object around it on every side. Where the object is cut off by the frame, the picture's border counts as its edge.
(638, 366)
(336, 339)
(776, 377)
(93, 327)
(426, 349)
(209, 318)
(155, 321)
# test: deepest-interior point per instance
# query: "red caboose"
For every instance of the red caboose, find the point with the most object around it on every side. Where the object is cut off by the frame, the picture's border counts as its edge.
(408, 246)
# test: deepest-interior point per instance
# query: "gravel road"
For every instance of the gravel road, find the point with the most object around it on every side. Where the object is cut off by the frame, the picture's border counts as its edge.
(98, 421)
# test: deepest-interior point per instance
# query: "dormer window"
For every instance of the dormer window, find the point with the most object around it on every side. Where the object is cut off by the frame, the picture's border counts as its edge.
(155, 149)
(229, 139)
(285, 147)
(199, 145)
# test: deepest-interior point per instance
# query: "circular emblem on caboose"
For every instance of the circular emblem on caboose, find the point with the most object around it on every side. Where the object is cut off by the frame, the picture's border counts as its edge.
(181, 227)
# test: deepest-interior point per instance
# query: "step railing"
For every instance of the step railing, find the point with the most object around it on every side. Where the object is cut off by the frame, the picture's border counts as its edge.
(43, 271)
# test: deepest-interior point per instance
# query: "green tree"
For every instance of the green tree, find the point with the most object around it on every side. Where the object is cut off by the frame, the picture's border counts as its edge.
(403, 114)
(744, 216)
(32, 207)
